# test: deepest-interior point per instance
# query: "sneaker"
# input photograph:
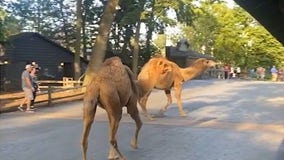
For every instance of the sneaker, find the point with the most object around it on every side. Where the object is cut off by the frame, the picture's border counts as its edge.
(21, 108)
(33, 107)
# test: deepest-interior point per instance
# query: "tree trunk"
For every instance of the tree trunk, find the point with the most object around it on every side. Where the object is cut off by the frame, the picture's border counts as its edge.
(128, 33)
(84, 36)
(77, 68)
(136, 49)
(99, 48)
(150, 33)
(136, 46)
(64, 29)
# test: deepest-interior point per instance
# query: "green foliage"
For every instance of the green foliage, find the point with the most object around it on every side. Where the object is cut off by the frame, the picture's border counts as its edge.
(2, 18)
(160, 42)
(210, 26)
(52, 18)
(8, 25)
(232, 36)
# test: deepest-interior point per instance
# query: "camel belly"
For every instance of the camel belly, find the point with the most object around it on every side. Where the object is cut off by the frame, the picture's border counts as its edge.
(164, 85)
(164, 81)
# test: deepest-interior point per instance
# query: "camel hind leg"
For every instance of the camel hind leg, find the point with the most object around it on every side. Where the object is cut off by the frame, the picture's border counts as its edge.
(134, 113)
(142, 102)
(114, 119)
(89, 111)
(169, 101)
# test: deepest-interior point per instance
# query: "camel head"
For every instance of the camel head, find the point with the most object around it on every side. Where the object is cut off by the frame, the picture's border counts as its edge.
(204, 62)
(196, 68)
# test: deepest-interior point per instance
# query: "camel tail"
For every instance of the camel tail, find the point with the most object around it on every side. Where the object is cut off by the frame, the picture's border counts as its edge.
(132, 80)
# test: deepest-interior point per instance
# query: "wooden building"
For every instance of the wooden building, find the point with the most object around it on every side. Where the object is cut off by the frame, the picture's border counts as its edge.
(53, 60)
(182, 55)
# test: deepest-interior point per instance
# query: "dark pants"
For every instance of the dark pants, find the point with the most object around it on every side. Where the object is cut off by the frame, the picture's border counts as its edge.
(33, 101)
(226, 75)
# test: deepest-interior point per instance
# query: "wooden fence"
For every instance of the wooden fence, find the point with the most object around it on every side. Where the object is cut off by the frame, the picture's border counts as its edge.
(66, 83)
(50, 92)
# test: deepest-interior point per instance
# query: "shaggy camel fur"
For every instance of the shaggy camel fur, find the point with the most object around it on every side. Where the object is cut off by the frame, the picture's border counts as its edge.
(163, 74)
(112, 88)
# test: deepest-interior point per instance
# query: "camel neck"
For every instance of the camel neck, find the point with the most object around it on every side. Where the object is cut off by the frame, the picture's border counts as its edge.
(190, 72)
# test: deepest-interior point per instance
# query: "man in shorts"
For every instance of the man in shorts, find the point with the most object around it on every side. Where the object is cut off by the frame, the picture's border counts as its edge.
(27, 88)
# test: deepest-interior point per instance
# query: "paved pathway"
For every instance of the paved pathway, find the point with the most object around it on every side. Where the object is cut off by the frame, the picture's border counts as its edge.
(228, 120)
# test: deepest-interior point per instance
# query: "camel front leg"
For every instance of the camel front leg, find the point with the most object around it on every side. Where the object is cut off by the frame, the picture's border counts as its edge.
(89, 111)
(169, 101)
(177, 93)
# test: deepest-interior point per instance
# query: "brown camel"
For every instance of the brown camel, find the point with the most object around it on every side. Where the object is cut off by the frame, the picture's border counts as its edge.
(163, 74)
(112, 88)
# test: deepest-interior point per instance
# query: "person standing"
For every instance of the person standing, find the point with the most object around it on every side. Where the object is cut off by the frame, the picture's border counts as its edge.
(226, 71)
(34, 84)
(262, 73)
(280, 75)
(252, 73)
(238, 70)
(232, 73)
(274, 73)
(27, 88)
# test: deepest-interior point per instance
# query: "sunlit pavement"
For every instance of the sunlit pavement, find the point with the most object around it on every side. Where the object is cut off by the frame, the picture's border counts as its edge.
(227, 120)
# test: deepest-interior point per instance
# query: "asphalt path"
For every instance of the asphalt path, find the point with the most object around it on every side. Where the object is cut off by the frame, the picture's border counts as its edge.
(227, 120)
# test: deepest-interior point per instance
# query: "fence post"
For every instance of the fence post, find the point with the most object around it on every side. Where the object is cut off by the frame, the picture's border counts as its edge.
(49, 90)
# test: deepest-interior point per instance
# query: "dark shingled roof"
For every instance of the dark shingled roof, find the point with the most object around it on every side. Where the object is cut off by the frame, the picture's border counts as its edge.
(174, 52)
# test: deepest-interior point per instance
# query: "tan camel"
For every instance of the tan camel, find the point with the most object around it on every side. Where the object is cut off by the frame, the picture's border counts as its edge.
(112, 88)
(163, 74)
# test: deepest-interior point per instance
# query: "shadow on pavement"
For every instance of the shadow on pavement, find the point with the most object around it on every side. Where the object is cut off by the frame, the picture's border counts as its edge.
(280, 152)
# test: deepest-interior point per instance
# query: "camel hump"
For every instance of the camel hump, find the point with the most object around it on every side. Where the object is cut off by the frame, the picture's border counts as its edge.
(113, 61)
(164, 66)
(158, 65)
(112, 70)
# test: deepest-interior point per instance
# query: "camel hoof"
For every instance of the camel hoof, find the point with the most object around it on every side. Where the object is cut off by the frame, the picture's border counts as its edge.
(116, 158)
(149, 117)
(133, 144)
(113, 158)
(162, 112)
(183, 114)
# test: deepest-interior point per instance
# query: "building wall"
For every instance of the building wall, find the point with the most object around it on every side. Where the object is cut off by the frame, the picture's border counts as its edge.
(32, 47)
